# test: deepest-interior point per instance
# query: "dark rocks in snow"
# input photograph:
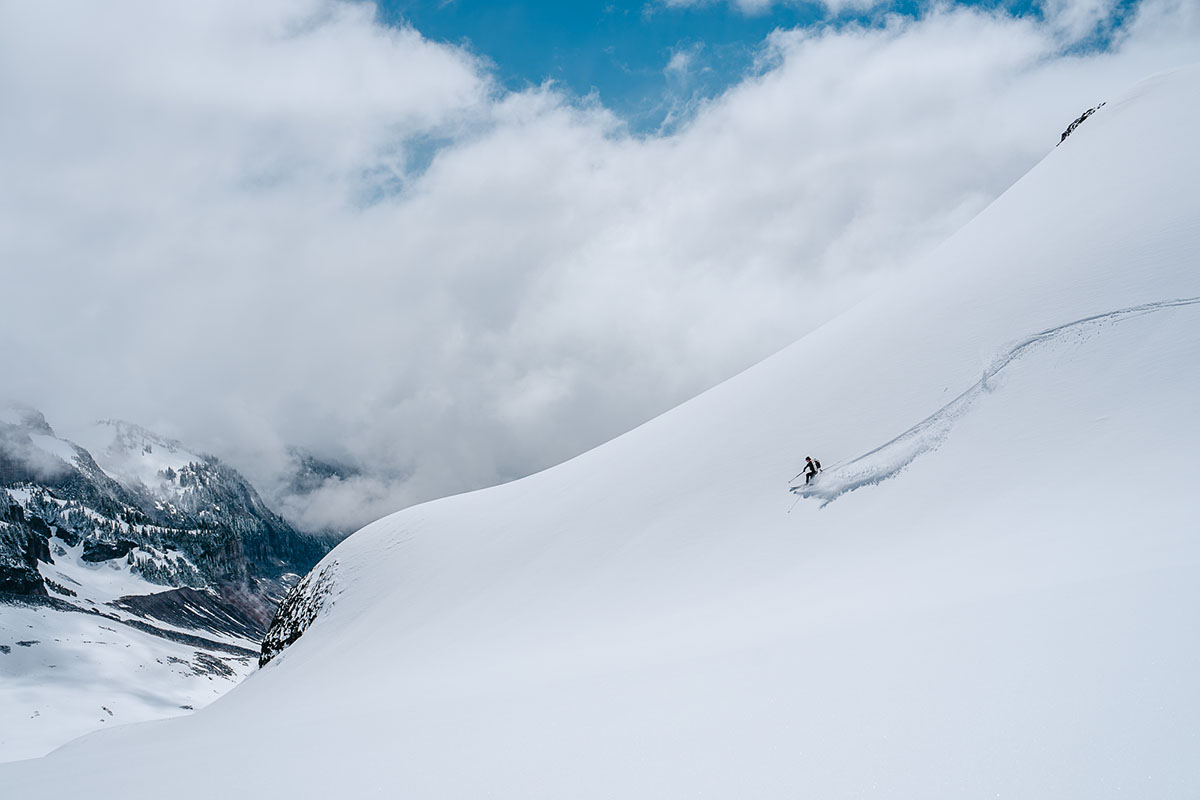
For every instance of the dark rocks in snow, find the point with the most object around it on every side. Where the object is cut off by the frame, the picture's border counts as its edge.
(199, 610)
(58, 588)
(298, 611)
(97, 550)
(21, 547)
(39, 526)
(208, 664)
(184, 638)
(198, 642)
(44, 601)
(18, 576)
(1078, 122)
(70, 537)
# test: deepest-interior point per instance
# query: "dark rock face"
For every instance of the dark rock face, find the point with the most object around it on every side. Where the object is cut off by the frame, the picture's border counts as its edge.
(298, 611)
(69, 536)
(38, 526)
(231, 533)
(97, 550)
(21, 547)
(1071, 128)
(17, 578)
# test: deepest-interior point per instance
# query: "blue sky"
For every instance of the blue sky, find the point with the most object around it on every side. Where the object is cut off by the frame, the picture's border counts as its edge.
(620, 50)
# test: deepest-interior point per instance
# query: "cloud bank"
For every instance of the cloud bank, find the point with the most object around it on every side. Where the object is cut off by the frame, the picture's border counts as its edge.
(282, 229)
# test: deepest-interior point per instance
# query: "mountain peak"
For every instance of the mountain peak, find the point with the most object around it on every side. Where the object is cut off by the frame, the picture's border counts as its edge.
(128, 437)
(136, 455)
(25, 417)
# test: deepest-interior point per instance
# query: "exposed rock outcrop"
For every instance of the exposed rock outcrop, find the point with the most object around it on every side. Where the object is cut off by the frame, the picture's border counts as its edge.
(1070, 128)
(298, 611)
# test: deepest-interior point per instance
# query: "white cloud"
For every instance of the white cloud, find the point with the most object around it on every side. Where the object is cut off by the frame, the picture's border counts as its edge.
(682, 61)
(1077, 19)
(755, 7)
(211, 223)
(1072, 20)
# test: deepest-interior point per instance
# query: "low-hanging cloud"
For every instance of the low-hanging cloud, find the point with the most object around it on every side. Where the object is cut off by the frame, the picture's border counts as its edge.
(282, 227)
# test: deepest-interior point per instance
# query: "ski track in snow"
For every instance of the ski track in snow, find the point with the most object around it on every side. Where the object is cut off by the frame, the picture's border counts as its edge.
(893, 457)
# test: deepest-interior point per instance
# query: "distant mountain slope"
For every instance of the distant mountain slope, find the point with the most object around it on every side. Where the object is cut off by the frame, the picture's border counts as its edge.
(992, 590)
(191, 519)
(159, 544)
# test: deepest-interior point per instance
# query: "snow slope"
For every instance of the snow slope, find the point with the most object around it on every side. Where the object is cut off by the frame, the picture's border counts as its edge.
(993, 590)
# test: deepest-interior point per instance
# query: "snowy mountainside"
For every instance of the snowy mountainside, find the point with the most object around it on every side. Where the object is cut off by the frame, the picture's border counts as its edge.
(134, 454)
(159, 547)
(992, 589)
(201, 520)
(193, 488)
(142, 460)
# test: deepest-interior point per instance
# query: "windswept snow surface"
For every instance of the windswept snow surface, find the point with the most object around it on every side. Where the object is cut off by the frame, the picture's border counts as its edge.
(1005, 606)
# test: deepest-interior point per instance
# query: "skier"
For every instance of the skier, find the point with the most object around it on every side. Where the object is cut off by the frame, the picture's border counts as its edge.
(811, 468)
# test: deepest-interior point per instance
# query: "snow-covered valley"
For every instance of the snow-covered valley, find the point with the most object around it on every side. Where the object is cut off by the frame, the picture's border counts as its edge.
(992, 589)
(133, 586)
(68, 674)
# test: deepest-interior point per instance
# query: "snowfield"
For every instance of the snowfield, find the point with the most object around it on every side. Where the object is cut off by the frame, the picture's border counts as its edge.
(67, 673)
(992, 591)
